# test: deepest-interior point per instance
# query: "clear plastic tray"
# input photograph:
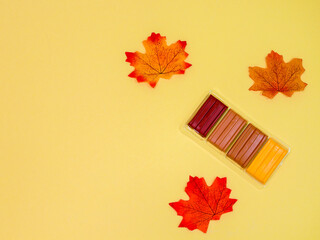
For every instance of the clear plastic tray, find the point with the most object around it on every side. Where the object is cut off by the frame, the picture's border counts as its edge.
(254, 153)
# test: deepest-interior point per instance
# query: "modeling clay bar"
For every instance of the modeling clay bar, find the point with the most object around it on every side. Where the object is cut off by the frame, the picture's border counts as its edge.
(208, 114)
(247, 145)
(227, 130)
(267, 161)
(237, 138)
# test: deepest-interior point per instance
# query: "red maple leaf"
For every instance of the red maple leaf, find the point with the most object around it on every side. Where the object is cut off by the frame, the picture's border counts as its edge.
(159, 61)
(206, 203)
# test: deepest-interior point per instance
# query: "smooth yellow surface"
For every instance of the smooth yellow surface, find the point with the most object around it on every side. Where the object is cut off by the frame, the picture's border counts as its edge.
(88, 153)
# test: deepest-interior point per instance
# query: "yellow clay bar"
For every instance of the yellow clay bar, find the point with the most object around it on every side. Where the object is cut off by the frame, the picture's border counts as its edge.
(267, 161)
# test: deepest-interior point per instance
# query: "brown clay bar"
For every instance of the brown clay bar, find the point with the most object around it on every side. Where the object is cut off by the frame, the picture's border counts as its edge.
(227, 130)
(247, 145)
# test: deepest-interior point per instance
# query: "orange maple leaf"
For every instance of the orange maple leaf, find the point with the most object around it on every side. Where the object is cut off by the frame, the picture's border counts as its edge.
(206, 203)
(278, 76)
(159, 61)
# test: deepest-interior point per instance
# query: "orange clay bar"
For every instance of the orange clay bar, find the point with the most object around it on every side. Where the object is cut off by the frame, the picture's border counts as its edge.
(267, 161)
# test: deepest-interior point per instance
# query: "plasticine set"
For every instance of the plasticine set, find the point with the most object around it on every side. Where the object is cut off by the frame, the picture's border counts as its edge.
(216, 125)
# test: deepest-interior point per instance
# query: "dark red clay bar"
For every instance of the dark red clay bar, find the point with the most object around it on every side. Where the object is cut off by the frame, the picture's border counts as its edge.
(208, 114)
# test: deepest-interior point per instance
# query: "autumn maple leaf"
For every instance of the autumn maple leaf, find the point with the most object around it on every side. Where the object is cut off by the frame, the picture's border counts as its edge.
(206, 203)
(278, 76)
(159, 61)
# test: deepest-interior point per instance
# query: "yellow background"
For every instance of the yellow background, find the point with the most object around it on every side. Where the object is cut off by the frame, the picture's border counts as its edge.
(88, 153)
